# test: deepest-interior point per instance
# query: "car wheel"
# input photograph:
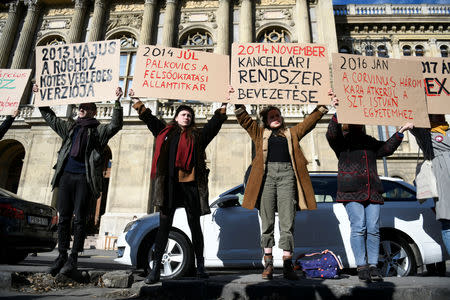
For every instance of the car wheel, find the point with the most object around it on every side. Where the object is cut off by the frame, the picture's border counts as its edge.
(177, 258)
(15, 257)
(396, 257)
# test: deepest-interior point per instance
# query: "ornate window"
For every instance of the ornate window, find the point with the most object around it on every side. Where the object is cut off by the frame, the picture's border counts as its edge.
(419, 50)
(128, 48)
(406, 50)
(382, 51)
(344, 49)
(369, 51)
(444, 51)
(52, 41)
(274, 35)
(198, 39)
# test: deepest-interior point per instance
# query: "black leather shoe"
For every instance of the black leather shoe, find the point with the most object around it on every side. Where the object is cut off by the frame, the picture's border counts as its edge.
(155, 273)
(288, 268)
(363, 273)
(375, 274)
(57, 264)
(201, 272)
(69, 266)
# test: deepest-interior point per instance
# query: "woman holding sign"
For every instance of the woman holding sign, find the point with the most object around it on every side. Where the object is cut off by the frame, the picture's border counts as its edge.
(279, 180)
(435, 144)
(360, 188)
(180, 175)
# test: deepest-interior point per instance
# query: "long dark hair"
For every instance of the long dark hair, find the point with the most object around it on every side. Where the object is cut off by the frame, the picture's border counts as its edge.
(265, 113)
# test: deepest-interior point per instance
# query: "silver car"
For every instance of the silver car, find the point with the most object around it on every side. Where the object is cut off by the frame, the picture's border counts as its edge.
(410, 234)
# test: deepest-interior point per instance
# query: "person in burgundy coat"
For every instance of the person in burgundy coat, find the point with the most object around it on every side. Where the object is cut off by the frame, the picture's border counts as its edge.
(359, 187)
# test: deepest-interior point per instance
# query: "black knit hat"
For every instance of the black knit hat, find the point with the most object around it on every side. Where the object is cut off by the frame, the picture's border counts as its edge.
(184, 107)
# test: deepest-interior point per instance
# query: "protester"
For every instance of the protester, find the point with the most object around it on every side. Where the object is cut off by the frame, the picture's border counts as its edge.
(279, 180)
(180, 175)
(435, 144)
(78, 173)
(7, 123)
(360, 188)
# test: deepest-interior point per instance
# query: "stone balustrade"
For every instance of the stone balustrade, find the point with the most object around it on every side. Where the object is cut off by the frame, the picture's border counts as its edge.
(391, 9)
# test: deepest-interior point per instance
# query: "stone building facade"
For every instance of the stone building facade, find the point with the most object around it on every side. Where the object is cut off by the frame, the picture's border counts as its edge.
(28, 151)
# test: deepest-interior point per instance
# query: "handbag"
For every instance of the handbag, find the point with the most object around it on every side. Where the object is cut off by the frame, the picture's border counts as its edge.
(323, 264)
(425, 181)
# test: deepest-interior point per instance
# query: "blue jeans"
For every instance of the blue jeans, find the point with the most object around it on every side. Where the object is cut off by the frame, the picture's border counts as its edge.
(365, 231)
(446, 233)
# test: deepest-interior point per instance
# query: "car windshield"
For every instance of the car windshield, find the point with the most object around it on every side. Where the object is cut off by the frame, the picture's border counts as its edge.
(394, 191)
(5, 193)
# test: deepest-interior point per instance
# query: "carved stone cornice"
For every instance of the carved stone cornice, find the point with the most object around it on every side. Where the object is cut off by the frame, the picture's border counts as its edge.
(199, 4)
(276, 2)
(120, 20)
(150, 2)
(79, 4)
(13, 6)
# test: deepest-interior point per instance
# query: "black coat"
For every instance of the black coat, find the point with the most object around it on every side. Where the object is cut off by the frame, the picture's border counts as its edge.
(202, 137)
(357, 178)
(5, 126)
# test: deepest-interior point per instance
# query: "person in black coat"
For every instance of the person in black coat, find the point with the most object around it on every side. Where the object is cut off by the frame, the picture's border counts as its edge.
(180, 176)
(359, 187)
(4, 127)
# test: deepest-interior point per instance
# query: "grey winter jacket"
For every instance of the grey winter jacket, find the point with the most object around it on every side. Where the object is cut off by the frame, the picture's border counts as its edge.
(97, 140)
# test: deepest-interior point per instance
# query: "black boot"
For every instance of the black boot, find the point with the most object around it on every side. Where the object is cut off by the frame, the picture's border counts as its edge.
(201, 272)
(363, 273)
(58, 264)
(288, 268)
(70, 265)
(155, 273)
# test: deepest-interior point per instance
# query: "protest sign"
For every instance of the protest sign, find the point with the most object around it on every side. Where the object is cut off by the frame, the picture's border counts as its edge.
(266, 73)
(173, 73)
(436, 77)
(77, 73)
(12, 86)
(379, 91)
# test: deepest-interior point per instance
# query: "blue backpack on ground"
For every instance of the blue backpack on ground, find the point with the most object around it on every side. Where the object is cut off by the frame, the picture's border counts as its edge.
(323, 264)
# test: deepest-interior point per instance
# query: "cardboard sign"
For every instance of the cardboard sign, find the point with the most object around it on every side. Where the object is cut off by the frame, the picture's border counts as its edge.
(77, 73)
(174, 73)
(12, 86)
(436, 76)
(266, 73)
(379, 91)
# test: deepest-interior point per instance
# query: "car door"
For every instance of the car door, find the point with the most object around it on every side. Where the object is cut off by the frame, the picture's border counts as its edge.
(232, 236)
(326, 227)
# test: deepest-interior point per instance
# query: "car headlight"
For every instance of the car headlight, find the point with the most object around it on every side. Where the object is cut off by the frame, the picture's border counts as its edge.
(130, 226)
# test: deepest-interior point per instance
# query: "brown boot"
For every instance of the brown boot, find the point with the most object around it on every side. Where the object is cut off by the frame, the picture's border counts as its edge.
(268, 267)
(288, 268)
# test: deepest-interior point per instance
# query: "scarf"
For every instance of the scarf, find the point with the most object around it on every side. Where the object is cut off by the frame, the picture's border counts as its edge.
(185, 150)
(79, 145)
(441, 128)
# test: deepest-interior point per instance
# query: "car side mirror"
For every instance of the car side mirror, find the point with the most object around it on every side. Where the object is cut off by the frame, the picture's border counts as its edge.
(227, 201)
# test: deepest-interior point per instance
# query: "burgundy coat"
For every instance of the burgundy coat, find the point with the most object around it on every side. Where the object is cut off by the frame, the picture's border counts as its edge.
(357, 178)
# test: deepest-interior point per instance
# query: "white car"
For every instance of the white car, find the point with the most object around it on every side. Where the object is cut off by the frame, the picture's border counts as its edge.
(410, 234)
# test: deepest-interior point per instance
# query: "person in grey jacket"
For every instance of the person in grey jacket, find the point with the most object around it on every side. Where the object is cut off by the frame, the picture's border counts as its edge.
(78, 173)
(7, 123)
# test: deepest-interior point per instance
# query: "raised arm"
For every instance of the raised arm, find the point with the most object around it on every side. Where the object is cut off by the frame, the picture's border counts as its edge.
(388, 148)
(154, 124)
(334, 136)
(303, 128)
(423, 139)
(116, 123)
(6, 125)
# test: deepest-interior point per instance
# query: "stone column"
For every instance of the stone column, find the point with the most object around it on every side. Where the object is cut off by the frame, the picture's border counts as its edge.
(97, 25)
(302, 21)
(9, 32)
(223, 27)
(326, 25)
(434, 52)
(147, 22)
(76, 25)
(395, 48)
(246, 22)
(24, 45)
(169, 23)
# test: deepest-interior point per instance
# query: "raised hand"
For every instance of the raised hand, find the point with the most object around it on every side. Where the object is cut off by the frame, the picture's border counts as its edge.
(119, 93)
(407, 126)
